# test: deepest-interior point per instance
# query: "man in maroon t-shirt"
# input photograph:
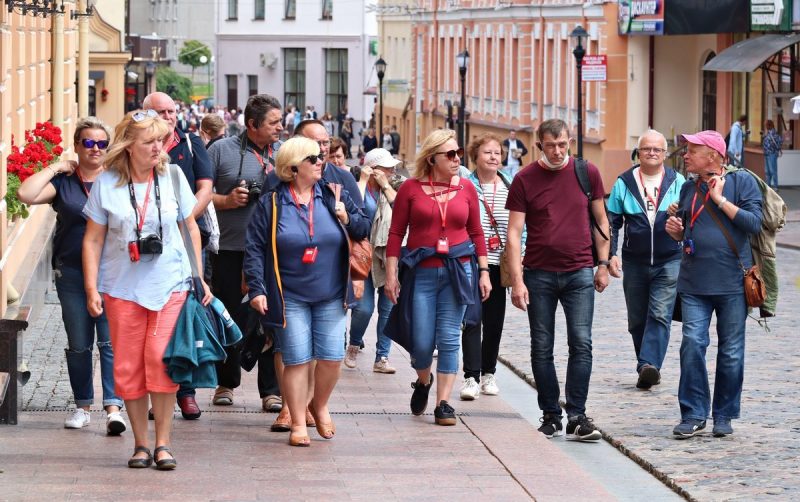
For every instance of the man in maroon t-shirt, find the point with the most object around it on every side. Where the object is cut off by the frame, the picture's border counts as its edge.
(547, 198)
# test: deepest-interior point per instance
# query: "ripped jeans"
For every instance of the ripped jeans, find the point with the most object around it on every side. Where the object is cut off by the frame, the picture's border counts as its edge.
(80, 328)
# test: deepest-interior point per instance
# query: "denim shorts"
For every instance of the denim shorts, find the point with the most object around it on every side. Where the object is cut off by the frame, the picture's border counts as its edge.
(313, 331)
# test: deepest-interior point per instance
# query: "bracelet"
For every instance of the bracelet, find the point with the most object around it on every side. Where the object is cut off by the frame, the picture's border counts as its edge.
(603, 263)
(384, 188)
(722, 201)
(483, 269)
(53, 170)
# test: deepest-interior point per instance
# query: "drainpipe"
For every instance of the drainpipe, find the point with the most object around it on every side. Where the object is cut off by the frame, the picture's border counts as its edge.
(57, 68)
(83, 61)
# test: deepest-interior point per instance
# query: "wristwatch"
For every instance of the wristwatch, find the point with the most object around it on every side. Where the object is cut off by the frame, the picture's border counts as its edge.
(483, 269)
(603, 262)
(722, 201)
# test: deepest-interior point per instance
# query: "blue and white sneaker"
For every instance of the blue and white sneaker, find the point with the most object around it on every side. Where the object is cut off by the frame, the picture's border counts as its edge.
(688, 428)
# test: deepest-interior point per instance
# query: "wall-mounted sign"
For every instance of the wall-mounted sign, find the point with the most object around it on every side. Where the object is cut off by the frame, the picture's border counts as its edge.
(641, 17)
(771, 15)
(594, 68)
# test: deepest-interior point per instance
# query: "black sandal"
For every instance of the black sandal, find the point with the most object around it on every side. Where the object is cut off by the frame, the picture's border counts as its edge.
(141, 463)
(165, 464)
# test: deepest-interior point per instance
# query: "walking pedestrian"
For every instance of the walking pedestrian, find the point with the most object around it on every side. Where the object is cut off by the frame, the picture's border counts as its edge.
(134, 256)
(66, 186)
(772, 143)
(441, 214)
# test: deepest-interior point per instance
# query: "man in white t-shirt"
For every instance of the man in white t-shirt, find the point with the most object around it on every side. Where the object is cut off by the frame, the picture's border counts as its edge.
(650, 257)
(513, 152)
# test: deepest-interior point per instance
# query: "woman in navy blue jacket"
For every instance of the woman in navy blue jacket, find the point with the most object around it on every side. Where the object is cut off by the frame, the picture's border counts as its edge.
(297, 269)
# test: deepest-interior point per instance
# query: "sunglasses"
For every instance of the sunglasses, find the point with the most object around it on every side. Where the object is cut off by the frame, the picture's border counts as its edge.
(313, 158)
(144, 115)
(90, 143)
(452, 154)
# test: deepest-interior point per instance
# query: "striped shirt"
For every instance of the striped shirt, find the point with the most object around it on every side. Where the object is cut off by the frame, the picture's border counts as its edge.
(496, 201)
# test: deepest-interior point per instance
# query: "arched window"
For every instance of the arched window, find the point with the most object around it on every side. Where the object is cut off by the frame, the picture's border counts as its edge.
(709, 119)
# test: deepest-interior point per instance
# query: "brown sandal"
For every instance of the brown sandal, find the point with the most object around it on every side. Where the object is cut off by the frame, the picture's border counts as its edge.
(326, 430)
(298, 440)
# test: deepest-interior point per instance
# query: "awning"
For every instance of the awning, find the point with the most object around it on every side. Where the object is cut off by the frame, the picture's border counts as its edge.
(97, 74)
(747, 55)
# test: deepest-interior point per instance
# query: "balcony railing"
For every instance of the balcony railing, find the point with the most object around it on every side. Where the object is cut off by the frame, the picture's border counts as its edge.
(514, 105)
(501, 107)
(487, 106)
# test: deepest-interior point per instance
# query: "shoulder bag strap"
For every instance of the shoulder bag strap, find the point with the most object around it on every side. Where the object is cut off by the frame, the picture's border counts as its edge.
(187, 237)
(492, 220)
(582, 173)
(725, 232)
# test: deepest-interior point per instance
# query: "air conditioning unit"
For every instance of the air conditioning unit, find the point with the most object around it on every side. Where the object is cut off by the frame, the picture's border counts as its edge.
(268, 60)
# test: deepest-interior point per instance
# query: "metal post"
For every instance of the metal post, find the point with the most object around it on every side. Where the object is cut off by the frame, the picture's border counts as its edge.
(462, 115)
(579, 52)
(380, 109)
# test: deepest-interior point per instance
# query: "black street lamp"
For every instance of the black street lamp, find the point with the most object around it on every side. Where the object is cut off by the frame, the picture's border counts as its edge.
(380, 68)
(463, 62)
(580, 36)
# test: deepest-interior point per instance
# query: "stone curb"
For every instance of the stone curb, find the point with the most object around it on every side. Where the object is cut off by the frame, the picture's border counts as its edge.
(641, 461)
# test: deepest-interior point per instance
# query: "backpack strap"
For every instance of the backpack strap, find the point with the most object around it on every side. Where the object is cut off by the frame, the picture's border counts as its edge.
(582, 173)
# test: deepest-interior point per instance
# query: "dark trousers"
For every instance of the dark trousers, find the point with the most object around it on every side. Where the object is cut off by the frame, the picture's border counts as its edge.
(226, 283)
(480, 357)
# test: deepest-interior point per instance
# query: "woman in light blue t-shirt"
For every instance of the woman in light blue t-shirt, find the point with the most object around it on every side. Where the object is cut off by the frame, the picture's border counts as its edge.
(133, 256)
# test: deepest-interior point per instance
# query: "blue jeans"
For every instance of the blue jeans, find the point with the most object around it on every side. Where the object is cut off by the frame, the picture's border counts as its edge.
(80, 328)
(362, 313)
(313, 331)
(771, 169)
(575, 291)
(437, 320)
(694, 395)
(512, 171)
(650, 297)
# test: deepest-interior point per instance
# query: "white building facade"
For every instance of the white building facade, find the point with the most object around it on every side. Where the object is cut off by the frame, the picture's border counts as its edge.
(303, 52)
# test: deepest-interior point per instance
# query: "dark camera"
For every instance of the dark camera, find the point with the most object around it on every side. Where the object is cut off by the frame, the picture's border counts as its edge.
(681, 215)
(150, 244)
(253, 188)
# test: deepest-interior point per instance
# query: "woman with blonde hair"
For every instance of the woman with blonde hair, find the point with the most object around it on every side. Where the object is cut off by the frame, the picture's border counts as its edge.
(66, 185)
(441, 214)
(136, 266)
(297, 269)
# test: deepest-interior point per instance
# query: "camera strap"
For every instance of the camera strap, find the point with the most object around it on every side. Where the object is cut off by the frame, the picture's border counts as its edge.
(140, 214)
(267, 166)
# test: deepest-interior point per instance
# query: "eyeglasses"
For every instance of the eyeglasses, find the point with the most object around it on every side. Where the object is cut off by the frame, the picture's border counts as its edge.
(90, 143)
(313, 158)
(452, 154)
(323, 144)
(144, 115)
(647, 149)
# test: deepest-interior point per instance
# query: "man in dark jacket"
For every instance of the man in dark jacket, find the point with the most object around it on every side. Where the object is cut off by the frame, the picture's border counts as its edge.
(639, 201)
(514, 151)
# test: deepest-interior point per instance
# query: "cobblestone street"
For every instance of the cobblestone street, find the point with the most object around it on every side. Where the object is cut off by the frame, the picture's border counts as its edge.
(759, 460)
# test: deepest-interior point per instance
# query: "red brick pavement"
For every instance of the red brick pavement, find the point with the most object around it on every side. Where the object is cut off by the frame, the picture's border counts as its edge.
(380, 452)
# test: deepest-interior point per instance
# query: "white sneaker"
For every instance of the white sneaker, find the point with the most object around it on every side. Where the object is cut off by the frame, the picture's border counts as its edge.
(351, 355)
(435, 353)
(79, 418)
(470, 390)
(489, 385)
(382, 366)
(115, 424)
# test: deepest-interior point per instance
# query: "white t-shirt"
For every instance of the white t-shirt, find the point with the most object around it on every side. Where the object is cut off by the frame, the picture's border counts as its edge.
(150, 281)
(512, 161)
(649, 191)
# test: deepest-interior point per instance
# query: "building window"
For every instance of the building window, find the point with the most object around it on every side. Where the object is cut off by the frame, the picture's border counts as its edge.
(260, 10)
(294, 77)
(709, 118)
(232, 82)
(290, 9)
(335, 80)
(327, 9)
(233, 9)
(252, 85)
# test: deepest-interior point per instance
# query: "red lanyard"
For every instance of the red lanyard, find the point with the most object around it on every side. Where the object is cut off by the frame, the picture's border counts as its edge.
(644, 187)
(310, 218)
(267, 167)
(175, 140)
(83, 183)
(442, 211)
(694, 215)
(143, 208)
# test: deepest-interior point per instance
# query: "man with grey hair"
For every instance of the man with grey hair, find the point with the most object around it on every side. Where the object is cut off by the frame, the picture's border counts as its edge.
(650, 257)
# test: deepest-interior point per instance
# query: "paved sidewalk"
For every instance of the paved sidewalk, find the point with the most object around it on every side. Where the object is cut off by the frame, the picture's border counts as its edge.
(380, 451)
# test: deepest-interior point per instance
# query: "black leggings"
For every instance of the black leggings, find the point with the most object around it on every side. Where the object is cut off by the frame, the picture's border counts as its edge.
(481, 358)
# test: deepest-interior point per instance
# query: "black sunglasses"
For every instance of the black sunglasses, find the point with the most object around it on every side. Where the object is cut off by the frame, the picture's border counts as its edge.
(313, 158)
(90, 143)
(451, 154)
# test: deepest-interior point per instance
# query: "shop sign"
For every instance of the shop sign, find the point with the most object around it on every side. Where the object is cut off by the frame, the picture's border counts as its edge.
(641, 17)
(771, 15)
(594, 68)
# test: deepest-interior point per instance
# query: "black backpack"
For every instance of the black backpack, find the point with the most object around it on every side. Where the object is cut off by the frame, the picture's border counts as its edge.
(582, 173)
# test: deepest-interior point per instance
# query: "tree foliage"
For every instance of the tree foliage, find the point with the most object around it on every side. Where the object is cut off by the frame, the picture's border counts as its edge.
(192, 52)
(177, 86)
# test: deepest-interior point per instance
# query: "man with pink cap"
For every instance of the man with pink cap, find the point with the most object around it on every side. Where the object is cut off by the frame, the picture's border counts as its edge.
(712, 205)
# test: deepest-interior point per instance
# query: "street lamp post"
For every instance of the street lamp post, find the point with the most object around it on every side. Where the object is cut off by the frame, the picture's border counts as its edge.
(380, 69)
(463, 62)
(204, 60)
(580, 36)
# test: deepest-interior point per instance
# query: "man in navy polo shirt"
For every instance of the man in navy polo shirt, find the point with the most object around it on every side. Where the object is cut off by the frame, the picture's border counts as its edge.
(190, 154)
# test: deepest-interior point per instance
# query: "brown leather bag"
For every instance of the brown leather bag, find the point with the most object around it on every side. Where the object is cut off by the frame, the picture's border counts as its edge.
(360, 259)
(505, 269)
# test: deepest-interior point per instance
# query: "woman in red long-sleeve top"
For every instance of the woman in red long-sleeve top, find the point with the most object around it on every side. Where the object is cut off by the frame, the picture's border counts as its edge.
(441, 214)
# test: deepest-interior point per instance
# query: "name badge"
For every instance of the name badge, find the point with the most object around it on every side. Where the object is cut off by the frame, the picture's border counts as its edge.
(443, 246)
(310, 255)
(494, 243)
(688, 247)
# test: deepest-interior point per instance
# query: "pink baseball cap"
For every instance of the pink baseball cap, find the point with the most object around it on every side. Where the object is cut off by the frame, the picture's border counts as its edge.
(711, 139)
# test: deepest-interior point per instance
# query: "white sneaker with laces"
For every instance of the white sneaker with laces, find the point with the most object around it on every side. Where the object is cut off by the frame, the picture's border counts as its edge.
(489, 385)
(470, 390)
(351, 355)
(115, 424)
(78, 419)
(382, 366)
